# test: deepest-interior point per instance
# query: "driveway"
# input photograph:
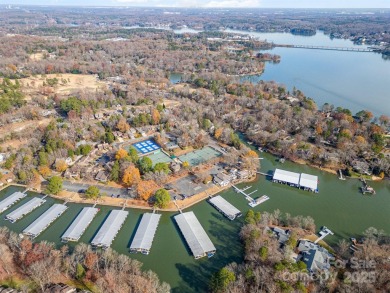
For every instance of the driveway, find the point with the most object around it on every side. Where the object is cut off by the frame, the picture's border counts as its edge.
(81, 187)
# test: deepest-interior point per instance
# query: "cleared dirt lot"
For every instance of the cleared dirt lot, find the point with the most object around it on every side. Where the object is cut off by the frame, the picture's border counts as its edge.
(33, 85)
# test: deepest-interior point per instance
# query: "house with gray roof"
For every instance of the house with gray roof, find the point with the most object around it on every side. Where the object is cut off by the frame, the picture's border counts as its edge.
(316, 257)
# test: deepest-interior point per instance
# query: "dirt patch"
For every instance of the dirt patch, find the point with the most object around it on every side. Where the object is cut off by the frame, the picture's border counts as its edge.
(67, 83)
(36, 56)
(20, 126)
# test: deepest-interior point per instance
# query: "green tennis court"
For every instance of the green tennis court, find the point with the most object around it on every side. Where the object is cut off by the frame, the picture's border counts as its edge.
(160, 157)
(200, 156)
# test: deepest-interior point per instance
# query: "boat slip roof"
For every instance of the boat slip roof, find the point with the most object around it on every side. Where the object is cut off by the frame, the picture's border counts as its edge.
(286, 176)
(145, 233)
(25, 209)
(226, 207)
(78, 226)
(309, 181)
(196, 237)
(110, 228)
(40, 224)
(10, 200)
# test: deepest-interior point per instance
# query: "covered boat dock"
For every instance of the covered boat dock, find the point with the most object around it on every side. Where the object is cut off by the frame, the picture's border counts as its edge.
(80, 224)
(110, 229)
(11, 200)
(309, 182)
(144, 236)
(44, 221)
(286, 177)
(225, 207)
(196, 237)
(25, 209)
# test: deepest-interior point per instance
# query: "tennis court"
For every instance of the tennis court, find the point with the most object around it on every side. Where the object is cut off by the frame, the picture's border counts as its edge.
(160, 157)
(146, 146)
(200, 156)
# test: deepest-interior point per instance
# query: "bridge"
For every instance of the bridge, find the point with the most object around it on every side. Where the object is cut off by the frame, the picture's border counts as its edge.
(349, 49)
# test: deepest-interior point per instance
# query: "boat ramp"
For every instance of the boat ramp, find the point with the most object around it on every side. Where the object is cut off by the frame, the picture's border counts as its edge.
(196, 237)
(144, 236)
(80, 224)
(11, 200)
(44, 221)
(110, 229)
(225, 207)
(25, 209)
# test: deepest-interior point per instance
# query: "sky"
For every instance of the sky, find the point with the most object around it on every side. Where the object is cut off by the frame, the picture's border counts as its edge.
(214, 3)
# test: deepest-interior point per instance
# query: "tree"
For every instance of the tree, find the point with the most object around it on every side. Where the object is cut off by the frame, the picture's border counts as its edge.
(55, 185)
(146, 189)
(122, 125)
(186, 164)
(44, 171)
(43, 158)
(80, 272)
(133, 154)
(121, 154)
(156, 116)
(131, 176)
(61, 166)
(92, 192)
(221, 280)
(145, 164)
(115, 172)
(161, 167)
(263, 252)
(250, 217)
(162, 198)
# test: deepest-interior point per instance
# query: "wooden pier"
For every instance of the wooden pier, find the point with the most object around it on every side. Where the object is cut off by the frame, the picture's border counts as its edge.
(252, 202)
(366, 188)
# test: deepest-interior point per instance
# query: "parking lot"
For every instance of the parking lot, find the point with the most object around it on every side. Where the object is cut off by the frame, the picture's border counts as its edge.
(107, 190)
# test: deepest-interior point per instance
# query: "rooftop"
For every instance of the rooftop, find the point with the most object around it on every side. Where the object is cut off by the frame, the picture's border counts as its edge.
(196, 237)
(80, 224)
(225, 207)
(25, 209)
(286, 176)
(145, 233)
(308, 181)
(10, 200)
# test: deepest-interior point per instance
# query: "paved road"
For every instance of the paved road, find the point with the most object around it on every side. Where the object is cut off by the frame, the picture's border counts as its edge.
(80, 187)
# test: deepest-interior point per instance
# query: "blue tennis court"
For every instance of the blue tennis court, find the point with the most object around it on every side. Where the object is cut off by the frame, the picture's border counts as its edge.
(146, 146)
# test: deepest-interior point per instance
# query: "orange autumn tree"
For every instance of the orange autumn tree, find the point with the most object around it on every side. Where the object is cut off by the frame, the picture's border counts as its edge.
(122, 125)
(250, 160)
(156, 116)
(146, 189)
(131, 176)
(120, 154)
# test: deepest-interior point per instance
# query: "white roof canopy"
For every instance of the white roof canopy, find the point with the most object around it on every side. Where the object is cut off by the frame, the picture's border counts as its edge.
(286, 176)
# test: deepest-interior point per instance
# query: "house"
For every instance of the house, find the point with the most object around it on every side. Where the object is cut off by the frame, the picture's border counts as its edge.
(243, 174)
(2, 158)
(281, 234)
(59, 288)
(316, 257)
(221, 179)
(171, 145)
(101, 176)
(361, 167)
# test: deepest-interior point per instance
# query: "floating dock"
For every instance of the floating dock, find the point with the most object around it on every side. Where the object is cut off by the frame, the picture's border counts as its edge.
(196, 237)
(25, 209)
(110, 229)
(258, 201)
(44, 221)
(80, 224)
(144, 236)
(11, 200)
(225, 207)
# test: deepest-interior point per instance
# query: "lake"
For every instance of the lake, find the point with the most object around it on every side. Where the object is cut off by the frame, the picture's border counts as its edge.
(339, 205)
(353, 80)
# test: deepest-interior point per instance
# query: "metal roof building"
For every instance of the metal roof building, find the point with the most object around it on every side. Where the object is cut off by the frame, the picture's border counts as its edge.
(80, 224)
(286, 177)
(225, 207)
(308, 181)
(44, 221)
(110, 228)
(23, 210)
(196, 237)
(144, 236)
(10, 200)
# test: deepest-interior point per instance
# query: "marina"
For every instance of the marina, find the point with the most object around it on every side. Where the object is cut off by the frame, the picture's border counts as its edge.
(44, 221)
(144, 236)
(196, 237)
(110, 228)
(25, 209)
(252, 202)
(11, 200)
(224, 207)
(80, 224)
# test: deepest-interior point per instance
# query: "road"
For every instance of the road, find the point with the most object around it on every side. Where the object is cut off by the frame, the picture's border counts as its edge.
(80, 187)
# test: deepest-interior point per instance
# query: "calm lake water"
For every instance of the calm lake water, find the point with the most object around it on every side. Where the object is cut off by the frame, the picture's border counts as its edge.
(353, 80)
(339, 206)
